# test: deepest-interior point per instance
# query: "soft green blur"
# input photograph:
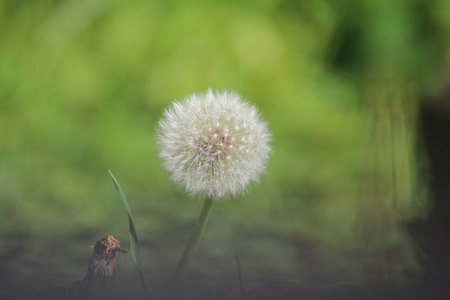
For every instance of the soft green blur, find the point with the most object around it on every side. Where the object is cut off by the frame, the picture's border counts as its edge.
(84, 82)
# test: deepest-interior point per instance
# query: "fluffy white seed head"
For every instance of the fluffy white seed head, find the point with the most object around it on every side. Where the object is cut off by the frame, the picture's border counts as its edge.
(213, 143)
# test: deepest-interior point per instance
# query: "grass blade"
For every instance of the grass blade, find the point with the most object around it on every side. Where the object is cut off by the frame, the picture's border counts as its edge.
(134, 242)
(239, 269)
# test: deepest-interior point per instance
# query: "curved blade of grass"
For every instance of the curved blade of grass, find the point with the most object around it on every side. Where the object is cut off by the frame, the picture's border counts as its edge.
(134, 242)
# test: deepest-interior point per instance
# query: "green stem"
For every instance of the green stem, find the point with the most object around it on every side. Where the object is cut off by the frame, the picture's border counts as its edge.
(192, 244)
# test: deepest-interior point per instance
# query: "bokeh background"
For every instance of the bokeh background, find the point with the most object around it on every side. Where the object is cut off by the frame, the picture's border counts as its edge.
(341, 83)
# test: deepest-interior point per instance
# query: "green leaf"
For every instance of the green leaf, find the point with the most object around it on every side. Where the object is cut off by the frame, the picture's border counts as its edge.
(134, 242)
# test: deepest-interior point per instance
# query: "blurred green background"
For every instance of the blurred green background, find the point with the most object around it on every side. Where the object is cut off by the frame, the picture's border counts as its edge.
(84, 82)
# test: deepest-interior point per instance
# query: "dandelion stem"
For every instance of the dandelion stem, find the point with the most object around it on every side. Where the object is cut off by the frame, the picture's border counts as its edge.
(192, 244)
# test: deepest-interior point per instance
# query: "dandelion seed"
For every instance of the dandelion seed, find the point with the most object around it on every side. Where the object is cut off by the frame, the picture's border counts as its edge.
(205, 156)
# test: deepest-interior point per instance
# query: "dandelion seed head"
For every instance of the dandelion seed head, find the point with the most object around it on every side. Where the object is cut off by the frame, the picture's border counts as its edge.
(213, 143)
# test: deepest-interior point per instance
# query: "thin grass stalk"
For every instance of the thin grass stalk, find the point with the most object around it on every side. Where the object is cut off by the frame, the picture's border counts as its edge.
(239, 269)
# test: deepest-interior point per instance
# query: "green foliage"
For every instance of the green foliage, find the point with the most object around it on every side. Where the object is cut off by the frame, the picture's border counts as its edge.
(84, 82)
(134, 241)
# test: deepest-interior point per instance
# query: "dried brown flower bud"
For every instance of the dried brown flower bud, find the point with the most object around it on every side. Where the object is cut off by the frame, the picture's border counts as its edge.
(99, 283)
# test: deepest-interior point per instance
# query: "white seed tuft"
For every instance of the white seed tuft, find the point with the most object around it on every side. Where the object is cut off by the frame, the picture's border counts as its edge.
(198, 144)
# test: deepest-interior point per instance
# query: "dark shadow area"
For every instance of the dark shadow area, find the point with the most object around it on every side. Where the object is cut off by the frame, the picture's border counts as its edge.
(436, 229)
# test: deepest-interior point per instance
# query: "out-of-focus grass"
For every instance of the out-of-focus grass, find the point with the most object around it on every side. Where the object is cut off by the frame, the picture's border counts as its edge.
(83, 92)
(84, 82)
